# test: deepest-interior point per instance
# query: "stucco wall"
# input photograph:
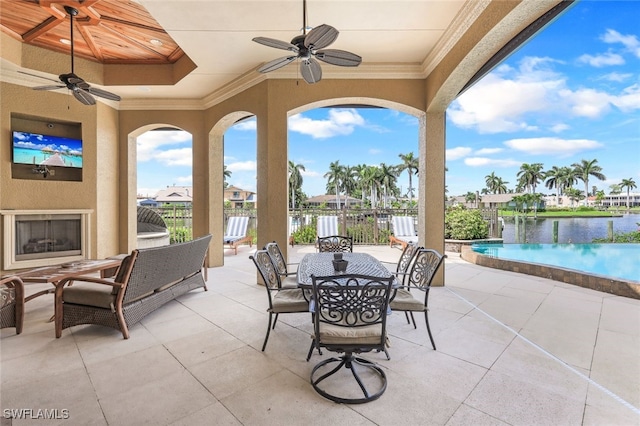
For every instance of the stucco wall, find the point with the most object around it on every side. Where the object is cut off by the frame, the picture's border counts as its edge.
(99, 174)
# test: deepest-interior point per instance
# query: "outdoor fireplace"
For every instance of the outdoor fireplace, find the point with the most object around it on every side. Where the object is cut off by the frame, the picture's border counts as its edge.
(33, 238)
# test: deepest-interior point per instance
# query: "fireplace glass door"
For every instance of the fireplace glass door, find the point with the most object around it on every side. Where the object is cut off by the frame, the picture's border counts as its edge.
(46, 236)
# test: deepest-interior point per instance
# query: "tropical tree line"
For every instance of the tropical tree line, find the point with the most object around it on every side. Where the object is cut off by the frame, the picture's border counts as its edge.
(374, 185)
(562, 179)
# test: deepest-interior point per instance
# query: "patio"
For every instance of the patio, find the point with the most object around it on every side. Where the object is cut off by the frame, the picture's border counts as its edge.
(512, 349)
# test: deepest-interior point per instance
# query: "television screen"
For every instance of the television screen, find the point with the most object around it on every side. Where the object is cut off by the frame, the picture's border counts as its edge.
(32, 148)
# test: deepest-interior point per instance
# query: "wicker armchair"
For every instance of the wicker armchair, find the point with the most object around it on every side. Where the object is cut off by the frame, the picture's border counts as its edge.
(11, 303)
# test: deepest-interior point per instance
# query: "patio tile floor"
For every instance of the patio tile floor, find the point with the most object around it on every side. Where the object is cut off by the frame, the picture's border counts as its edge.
(512, 349)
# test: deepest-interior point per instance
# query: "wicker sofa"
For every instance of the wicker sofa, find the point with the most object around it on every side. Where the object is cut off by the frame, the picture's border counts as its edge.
(146, 280)
(11, 303)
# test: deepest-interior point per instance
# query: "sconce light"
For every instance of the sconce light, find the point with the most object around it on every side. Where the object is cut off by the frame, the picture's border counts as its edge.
(43, 170)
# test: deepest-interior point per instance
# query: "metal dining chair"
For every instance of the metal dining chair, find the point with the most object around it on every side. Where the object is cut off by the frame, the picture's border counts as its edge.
(425, 266)
(282, 300)
(349, 317)
(335, 244)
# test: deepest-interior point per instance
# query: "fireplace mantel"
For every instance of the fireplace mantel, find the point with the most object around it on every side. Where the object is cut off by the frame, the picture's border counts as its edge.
(13, 243)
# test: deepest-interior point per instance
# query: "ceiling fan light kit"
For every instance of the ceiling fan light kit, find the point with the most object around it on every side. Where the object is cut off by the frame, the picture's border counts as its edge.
(80, 89)
(308, 47)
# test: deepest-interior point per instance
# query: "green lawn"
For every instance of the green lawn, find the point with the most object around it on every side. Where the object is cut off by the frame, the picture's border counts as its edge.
(570, 213)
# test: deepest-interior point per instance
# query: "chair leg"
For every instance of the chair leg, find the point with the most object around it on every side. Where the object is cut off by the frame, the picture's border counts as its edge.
(406, 315)
(266, 338)
(426, 319)
(275, 320)
(313, 343)
(413, 319)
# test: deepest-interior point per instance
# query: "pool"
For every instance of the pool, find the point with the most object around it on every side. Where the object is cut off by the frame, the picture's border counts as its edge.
(613, 268)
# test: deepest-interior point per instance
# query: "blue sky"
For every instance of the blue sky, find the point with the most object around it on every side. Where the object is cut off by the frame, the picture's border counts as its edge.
(570, 93)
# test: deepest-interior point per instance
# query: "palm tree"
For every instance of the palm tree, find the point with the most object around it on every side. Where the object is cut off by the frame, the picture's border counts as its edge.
(334, 178)
(495, 184)
(226, 174)
(530, 175)
(574, 194)
(295, 180)
(584, 169)
(491, 181)
(410, 164)
(629, 184)
(369, 176)
(388, 177)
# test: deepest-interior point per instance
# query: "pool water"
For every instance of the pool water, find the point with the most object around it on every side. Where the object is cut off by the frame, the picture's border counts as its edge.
(621, 261)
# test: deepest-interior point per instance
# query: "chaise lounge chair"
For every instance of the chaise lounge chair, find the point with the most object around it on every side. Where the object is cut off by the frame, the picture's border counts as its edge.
(327, 226)
(404, 231)
(236, 233)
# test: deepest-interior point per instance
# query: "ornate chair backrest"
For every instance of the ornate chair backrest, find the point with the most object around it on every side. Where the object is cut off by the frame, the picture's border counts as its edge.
(351, 301)
(425, 265)
(267, 270)
(335, 244)
(276, 257)
(407, 256)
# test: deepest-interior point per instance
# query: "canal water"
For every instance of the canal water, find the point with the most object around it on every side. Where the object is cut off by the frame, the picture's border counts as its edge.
(570, 230)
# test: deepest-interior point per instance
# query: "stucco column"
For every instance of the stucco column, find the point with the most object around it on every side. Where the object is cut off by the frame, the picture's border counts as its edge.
(432, 184)
(271, 187)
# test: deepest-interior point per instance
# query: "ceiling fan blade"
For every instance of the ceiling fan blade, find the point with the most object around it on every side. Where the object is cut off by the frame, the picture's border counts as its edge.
(276, 63)
(103, 94)
(83, 96)
(320, 37)
(310, 70)
(39, 76)
(59, 86)
(278, 44)
(341, 58)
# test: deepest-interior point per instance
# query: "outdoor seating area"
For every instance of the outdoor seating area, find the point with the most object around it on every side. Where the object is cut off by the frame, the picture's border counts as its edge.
(512, 349)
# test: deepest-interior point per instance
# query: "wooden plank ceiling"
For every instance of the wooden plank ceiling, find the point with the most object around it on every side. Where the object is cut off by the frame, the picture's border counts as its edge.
(105, 31)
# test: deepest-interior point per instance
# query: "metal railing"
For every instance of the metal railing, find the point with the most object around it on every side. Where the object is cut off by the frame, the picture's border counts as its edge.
(365, 226)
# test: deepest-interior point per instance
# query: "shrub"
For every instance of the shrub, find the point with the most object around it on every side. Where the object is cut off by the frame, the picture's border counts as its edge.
(464, 224)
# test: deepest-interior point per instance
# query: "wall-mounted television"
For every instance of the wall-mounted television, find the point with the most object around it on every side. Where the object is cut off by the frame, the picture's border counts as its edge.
(48, 150)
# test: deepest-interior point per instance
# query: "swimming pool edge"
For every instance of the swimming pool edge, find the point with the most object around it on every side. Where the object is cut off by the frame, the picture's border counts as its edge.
(603, 284)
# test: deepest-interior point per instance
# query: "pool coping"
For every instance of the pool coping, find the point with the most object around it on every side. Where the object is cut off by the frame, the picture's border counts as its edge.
(604, 284)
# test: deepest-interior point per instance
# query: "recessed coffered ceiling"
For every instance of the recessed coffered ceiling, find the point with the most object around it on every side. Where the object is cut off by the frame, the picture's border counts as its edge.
(404, 38)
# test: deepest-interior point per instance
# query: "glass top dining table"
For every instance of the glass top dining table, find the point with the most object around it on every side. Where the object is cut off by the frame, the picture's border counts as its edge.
(320, 264)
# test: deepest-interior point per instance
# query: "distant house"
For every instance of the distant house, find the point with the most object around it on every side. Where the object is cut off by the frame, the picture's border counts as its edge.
(330, 201)
(238, 197)
(148, 202)
(175, 195)
(493, 201)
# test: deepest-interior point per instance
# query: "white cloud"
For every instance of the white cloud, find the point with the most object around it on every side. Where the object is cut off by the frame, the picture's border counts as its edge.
(587, 102)
(527, 98)
(250, 124)
(501, 100)
(375, 151)
(483, 161)
(629, 100)
(242, 166)
(488, 151)
(458, 152)
(617, 77)
(310, 173)
(552, 146)
(630, 42)
(150, 145)
(560, 127)
(339, 122)
(175, 157)
(602, 60)
(185, 179)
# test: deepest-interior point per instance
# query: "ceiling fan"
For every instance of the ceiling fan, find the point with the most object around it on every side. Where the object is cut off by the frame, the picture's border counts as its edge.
(81, 90)
(307, 47)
